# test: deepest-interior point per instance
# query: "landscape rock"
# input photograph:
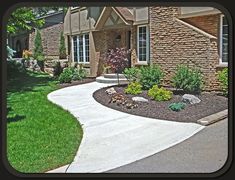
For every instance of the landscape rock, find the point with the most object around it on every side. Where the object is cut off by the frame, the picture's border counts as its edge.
(139, 99)
(190, 99)
(111, 91)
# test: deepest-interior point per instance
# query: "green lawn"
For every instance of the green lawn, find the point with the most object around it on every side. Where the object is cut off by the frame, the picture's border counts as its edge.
(40, 135)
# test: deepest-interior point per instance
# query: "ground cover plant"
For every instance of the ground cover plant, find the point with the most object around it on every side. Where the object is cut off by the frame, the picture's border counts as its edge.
(223, 78)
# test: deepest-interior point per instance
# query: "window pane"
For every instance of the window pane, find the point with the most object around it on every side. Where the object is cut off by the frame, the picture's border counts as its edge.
(80, 49)
(224, 40)
(87, 47)
(142, 43)
(75, 49)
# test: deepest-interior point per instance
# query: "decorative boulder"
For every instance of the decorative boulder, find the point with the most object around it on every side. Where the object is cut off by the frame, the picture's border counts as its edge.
(139, 99)
(111, 91)
(190, 99)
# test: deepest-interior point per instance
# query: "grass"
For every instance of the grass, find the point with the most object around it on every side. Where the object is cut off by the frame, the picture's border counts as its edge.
(40, 135)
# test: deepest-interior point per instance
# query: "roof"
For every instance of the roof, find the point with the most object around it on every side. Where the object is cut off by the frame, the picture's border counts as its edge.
(126, 13)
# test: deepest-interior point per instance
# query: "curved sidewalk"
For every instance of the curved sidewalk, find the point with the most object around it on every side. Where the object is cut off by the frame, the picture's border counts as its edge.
(111, 138)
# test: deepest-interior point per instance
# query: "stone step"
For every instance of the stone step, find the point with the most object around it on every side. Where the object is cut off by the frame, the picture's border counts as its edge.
(114, 76)
(102, 79)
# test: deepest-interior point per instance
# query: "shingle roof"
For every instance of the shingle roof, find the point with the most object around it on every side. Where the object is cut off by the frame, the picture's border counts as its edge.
(125, 12)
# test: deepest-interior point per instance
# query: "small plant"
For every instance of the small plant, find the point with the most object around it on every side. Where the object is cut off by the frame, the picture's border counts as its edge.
(223, 78)
(132, 74)
(177, 106)
(78, 74)
(150, 76)
(62, 49)
(10, 53)
(133, 88)
(66, 76)
(38, 50)
(27, 54)
(189, 80)
(159, 94)
(57, 69)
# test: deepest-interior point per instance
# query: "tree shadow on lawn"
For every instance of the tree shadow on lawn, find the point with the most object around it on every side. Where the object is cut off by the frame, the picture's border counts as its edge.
(11, 117)
(28, 81)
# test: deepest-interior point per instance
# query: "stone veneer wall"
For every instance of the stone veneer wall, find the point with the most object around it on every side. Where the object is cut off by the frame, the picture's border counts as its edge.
(50, 40)
(209, 23)
(173, 42)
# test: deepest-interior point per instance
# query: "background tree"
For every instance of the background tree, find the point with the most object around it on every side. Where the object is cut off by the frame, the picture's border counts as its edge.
(38, 50)
(62, 49)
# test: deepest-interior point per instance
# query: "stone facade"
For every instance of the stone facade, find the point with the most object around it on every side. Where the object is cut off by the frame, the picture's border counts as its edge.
(209, 23)
(50, 40)
(174, 42)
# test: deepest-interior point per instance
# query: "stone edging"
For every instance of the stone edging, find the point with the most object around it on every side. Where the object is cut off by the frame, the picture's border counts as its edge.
(213, 118)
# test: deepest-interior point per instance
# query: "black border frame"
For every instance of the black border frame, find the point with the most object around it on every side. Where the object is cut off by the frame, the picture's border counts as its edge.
(218, 173)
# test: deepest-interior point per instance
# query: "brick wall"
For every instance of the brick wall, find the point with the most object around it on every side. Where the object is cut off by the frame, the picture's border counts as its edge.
(50, 40)
(209, 23)
(173, 42)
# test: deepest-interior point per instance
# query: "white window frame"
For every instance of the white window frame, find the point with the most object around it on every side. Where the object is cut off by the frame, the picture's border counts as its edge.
(78, 48)
(221, 42)
(147, 44)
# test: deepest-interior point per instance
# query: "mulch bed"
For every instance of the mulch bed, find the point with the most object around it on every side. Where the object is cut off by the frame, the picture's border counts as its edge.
(73, 83)
(210, 103)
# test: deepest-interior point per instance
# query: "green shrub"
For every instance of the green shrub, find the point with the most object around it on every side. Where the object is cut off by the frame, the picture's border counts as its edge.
(62, 48)
(38, 49)
(57, 69)
(177, 106)
(150, 76)
(133, 88)
(223, 78)
(159, 94)
(78, 74)
(132, 74)
(189, 80)
(66, 76)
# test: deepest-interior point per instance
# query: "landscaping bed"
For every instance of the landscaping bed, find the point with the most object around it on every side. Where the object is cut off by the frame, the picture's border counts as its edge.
(73, 83)
(210, 103)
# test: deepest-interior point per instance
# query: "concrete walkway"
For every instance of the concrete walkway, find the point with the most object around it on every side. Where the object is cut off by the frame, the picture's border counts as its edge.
(112, 138)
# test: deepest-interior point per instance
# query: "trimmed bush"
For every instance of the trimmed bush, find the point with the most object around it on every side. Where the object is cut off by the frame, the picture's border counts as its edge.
(159, 94)
(150, 76)
(223, 79)
(78, 74)
(177, 106)
(132, 74)
(189, 80)
(62, 49)
(66, 76)
(134, 88)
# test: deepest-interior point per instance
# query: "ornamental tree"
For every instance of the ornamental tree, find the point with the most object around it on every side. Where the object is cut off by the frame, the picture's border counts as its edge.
(62, 49)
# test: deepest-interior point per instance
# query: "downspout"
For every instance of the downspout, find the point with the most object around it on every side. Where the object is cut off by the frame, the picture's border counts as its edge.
(70, 37)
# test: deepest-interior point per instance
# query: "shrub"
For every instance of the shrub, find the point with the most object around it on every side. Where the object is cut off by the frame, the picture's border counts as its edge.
(133, 88)
(177, 106)
(132, 74)
(62, 49)
(159, 94)
(189, 80)
(14, 68)
(150, 76)
(223, 78)
(38, 49)
(10, 53)
(78, 74)
(57, 69)
(66, 76)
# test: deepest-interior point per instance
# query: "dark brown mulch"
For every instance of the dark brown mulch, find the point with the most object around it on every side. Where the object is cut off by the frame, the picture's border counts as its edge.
(73, 83)
(210, 103)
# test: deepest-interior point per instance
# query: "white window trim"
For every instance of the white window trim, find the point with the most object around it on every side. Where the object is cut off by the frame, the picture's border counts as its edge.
(147, 45)
(221, 42)
(84, 49)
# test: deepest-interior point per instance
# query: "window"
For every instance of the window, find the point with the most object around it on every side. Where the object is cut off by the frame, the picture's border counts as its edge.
(143, 43)
(81, 48)
(223, 40)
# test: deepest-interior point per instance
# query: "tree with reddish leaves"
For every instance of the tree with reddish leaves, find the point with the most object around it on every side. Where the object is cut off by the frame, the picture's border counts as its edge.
(117, 59)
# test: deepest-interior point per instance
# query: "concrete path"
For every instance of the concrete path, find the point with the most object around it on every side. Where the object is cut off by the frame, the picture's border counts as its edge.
(205, 152)
(112, 138)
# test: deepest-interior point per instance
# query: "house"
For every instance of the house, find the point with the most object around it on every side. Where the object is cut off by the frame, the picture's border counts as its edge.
(167, 36)
(50, 33)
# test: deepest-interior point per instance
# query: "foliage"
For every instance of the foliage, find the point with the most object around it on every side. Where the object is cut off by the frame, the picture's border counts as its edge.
(14, 68)
(132, 74)
(62, 49)
(57, 69)
(23, 19)
(10, 53)
(117, 59)
(190, 80)
(223, 78)
(38, 49)
(133, 88)
(78, 74)
(177, 106)
(150, 75)
(38, 139)
(27, 54)
(159, 94)
(66, 76)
